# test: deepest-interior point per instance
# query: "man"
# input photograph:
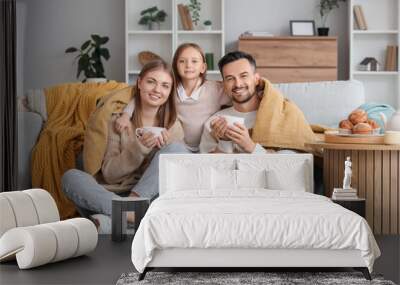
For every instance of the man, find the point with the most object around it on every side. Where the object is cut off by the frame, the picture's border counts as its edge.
(246, 88)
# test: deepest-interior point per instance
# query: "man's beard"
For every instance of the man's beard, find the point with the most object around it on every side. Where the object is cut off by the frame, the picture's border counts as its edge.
(245, 100)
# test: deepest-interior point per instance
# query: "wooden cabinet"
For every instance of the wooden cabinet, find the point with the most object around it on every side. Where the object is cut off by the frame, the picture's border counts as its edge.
(293, 59)
(376, 176)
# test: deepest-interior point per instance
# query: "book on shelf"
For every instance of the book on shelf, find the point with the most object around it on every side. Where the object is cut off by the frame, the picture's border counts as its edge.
(392, 55)
(182, 15)
(359, 18)
(355, 24)
(188, 17)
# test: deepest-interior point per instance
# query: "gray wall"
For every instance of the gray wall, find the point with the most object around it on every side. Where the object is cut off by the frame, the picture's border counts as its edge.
(50, 26)
(274, 16)
(53, 25)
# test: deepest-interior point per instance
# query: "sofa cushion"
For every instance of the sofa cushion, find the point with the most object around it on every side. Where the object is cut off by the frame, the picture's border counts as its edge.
(327, 102)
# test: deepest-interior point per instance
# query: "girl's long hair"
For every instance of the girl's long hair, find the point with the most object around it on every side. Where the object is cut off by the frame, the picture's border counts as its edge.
(166, 114)
(178, 53)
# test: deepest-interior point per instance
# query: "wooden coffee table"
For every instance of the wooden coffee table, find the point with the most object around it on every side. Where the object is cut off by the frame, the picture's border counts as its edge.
(376, 175)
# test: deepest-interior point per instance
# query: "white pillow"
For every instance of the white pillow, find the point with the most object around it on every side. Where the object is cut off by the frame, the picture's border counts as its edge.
(281, 173)
(224, 179)
(251, 178)
(188, 177)
(293, 179)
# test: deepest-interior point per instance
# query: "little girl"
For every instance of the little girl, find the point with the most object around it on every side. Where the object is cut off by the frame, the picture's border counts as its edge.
(197, 98)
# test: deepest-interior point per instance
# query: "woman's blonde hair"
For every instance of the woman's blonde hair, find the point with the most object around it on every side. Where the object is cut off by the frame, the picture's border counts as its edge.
(178, 53)
(166, 114)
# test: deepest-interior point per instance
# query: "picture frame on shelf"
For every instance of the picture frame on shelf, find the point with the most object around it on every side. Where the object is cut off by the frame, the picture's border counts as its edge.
(302, 28)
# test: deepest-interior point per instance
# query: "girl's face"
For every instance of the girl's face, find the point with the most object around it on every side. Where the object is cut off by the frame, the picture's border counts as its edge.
(190, 64)
(155, 87)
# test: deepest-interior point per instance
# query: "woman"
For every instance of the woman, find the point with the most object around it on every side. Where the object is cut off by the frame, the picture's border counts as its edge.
(130, 164)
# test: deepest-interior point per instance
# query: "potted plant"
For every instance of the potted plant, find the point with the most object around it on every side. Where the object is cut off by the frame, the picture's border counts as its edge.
(325, 8)
(195, 7)
(152, 16)
(90, 55)
(207, 25)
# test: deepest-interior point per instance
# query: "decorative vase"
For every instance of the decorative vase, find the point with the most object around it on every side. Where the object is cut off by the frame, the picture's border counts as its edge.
(96, 80)
(323, 32)
(394, 123)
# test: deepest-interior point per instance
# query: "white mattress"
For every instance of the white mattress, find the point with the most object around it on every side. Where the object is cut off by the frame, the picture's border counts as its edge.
(250, 218)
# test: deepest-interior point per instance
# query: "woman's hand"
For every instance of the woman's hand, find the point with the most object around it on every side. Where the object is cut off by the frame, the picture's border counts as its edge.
(164, 139)
(148, 140)
(122, 123)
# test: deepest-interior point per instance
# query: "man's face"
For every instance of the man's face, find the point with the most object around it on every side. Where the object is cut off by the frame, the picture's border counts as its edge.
(240, 80)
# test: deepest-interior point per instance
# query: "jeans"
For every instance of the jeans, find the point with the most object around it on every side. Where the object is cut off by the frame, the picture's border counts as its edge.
(90, 197)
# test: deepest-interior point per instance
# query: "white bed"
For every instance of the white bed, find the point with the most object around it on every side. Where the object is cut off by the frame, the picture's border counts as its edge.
(231, 211)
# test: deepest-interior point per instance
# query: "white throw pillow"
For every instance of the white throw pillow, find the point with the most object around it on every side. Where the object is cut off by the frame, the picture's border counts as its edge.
(224, 179)
(251, 178)
(293, 179)
(281, 173)
(188, 177)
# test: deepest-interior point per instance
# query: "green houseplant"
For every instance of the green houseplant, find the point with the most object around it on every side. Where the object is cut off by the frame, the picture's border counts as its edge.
(90, 57)
(152, 16)
(325, 8)
(207, 24)
(195, 7)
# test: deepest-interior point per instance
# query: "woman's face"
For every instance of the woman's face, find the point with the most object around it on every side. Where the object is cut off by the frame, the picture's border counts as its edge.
(155, 87)
(190, 64)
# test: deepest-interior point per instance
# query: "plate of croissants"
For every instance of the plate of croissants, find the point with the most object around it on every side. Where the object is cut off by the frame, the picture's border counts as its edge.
(357, 128)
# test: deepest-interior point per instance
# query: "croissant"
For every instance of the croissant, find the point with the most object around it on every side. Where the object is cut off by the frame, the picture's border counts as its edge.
(362, 128)
(358, 116)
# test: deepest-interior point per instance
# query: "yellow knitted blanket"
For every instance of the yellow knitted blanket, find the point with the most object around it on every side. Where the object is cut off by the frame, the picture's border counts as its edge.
(68, 109)
(97, 129)
(280, 123)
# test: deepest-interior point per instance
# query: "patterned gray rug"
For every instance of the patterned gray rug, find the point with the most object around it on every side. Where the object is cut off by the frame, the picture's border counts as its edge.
(243, 278)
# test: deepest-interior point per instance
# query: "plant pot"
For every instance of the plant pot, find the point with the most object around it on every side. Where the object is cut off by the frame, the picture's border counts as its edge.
(207, 27)
(153, 26)
(323, 32)
(96, 80)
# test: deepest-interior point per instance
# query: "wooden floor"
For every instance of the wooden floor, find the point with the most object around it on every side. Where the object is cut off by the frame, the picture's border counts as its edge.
(111, 259)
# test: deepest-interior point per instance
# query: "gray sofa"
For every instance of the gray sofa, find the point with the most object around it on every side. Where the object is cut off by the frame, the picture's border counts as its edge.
(324, 103)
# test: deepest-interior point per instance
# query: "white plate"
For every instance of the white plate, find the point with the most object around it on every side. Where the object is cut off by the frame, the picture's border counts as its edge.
(337, 133)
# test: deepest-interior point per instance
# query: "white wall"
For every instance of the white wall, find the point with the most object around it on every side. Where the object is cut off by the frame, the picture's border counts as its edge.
(53, 25)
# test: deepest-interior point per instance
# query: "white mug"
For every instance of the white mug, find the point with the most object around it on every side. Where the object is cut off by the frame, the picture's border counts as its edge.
(156, 131)
(233, 119)
(225, 146)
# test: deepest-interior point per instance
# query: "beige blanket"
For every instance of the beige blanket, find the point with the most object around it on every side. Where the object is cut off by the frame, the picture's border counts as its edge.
(95, 142)
(68, 109)
(280, 123)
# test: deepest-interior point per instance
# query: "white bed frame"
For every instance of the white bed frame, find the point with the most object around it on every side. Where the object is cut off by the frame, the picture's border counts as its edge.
(250, 258)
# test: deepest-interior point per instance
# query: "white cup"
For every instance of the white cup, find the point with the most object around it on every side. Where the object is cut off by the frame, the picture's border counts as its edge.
(392, 137)
(225, 146)
(233, 119)
(156, 131)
